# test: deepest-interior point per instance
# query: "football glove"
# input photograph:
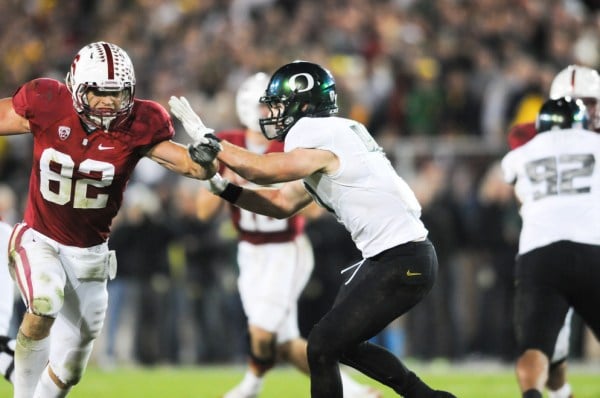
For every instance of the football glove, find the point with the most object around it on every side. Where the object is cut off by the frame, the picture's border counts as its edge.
(180, 107)
(205, 145)
(206, 151)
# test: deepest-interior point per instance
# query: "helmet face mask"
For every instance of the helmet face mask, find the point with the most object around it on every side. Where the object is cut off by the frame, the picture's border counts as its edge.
(297, 90)
(561, 113)
(101, 69)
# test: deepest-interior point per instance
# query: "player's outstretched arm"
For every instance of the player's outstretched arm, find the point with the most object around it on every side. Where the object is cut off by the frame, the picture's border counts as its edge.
(10, 121)
(175, 157)
(281, 202)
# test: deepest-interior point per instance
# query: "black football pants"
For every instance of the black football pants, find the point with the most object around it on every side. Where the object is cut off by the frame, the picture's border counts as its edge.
(385, 287)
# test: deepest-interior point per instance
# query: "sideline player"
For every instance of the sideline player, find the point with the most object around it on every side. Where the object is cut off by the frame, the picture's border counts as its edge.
(275, 261)
(336, 162)
(556, 179)
(7, 343)
(581, 82)
(88, 135)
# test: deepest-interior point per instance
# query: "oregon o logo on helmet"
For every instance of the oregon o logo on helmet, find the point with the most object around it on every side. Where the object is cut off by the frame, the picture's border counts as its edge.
(310, 82)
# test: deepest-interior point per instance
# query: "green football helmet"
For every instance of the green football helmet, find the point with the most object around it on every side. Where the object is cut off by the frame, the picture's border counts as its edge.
(296, 90)
(561, 113)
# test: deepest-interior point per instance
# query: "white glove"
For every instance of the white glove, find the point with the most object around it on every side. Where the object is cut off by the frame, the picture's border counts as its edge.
(216, 184)
(180, 107)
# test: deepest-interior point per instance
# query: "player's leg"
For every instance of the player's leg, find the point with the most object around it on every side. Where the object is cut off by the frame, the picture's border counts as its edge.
(293, 350)
(7, 357)
(7, 344)
(381, 290)
(265, 284)
(73, 335)
(291, 347)
(261, 358)
(540, 311)
(557, 384)
(41, 280)
(6, 281)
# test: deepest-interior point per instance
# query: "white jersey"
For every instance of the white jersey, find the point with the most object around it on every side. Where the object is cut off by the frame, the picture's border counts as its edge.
(557, 180)
(366, 194)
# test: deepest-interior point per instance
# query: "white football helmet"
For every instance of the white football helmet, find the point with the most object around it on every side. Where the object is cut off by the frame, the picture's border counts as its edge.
(107, 68)
(246, 100)
(579, 82)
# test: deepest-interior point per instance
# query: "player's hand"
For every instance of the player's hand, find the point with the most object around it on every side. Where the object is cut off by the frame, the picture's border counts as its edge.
(216, 184)
(205, 152)
(180, 107)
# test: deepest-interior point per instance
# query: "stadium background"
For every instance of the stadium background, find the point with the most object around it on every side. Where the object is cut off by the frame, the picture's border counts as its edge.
(437, 83)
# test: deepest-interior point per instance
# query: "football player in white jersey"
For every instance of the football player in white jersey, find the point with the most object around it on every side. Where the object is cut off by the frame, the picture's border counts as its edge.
(7, 343)
(575, 81)
(275, 261)
(336, 162)
(557, 181)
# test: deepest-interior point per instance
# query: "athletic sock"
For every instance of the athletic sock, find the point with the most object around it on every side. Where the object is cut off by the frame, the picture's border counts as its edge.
(46, 388)
(31, 357)
(563, 392)
(533, 393)
(250, 385)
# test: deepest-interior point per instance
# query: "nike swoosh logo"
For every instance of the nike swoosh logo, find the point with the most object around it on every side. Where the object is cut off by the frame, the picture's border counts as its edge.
(104, 148)
(408, 273)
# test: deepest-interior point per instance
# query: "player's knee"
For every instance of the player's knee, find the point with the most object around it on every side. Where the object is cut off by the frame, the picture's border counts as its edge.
(531, 363)
(319, 348)
(263, 351)
(47, 305)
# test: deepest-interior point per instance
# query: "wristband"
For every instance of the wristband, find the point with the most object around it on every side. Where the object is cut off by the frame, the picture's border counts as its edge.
(231, 193)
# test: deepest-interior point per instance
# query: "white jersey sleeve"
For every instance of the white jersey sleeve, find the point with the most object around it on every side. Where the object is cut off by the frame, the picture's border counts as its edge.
(366, 194)
(557, 180)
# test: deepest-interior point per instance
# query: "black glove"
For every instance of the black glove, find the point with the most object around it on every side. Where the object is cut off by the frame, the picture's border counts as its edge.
(205, 152)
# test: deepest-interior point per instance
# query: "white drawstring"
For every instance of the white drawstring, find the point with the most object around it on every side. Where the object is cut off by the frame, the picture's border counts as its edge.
(357, 266)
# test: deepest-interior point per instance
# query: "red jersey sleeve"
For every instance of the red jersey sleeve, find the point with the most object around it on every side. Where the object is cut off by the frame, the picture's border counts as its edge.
(520, 134)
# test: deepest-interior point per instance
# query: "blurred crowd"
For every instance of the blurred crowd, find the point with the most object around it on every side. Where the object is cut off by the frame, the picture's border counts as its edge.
(438, 83)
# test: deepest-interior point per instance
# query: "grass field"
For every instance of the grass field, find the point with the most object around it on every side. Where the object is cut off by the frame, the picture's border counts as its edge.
(211, 382)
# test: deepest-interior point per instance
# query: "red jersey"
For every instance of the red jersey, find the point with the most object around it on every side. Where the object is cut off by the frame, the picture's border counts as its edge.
(256, 228)
(78, 178)
(520, 134)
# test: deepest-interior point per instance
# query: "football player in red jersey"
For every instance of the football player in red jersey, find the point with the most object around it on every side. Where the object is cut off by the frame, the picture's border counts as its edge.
(275, 260)
(583, 83)
(573, 81)
(88, 135)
